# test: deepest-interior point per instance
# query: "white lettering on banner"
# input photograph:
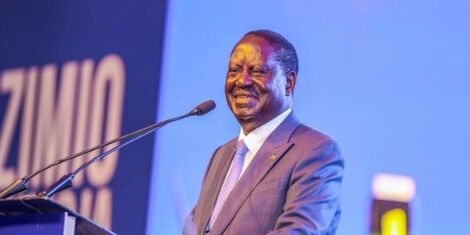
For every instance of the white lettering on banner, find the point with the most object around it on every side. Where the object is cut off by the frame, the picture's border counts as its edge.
(103, 204)
(11, 83)
(83, 111)
(26, 141)
(60, 115)
(53, 127)
(86, 202)
(110, 71)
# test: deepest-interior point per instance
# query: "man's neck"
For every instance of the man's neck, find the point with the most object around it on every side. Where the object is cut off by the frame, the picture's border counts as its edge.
(274, 121)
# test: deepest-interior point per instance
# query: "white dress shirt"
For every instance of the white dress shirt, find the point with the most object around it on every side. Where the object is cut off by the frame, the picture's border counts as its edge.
(256, 138)
(253, 142)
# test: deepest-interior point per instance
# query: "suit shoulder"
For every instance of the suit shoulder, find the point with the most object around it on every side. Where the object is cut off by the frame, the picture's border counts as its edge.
(231, 142)
(315, 145)
(308, 135)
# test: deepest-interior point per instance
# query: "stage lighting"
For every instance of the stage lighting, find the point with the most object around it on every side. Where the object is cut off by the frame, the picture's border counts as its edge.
(390, 206)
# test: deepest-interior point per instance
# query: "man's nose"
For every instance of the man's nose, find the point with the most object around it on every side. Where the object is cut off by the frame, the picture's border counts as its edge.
(244, 80)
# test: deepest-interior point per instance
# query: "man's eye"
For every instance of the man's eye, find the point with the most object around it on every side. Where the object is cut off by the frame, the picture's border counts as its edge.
(234, 70)
(258, 72)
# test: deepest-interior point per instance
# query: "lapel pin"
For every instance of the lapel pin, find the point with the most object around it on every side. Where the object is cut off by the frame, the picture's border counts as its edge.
(273, 156)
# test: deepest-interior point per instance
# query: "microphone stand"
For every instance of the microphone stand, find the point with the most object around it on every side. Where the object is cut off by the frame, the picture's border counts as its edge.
(19, 185)
(66, 181)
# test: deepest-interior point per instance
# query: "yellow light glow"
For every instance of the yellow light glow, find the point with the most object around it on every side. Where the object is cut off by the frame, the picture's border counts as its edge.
(394, 222)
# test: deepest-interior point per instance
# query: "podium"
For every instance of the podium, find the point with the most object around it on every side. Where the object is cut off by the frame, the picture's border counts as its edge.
(43, 216)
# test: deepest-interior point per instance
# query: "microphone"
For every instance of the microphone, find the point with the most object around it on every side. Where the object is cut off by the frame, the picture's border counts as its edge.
(19, 185)
(204, 107)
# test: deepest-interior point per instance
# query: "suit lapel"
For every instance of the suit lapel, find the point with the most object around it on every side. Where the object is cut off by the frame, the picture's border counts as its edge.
(226, 156)
(273, 149)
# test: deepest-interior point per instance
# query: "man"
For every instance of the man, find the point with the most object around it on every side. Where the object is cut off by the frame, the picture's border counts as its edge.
(279, 176)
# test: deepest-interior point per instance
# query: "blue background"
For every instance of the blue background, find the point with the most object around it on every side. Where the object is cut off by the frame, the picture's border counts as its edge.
(40, 32)
(389, 80)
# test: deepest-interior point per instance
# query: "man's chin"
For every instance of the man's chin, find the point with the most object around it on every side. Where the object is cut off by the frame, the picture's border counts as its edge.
(244, 113)
(244, 116)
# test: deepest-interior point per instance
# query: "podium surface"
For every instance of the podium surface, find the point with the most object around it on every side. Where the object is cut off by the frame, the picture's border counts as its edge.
(18, 216)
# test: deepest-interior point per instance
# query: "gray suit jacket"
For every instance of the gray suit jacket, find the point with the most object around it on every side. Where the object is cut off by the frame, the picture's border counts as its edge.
(292, 186)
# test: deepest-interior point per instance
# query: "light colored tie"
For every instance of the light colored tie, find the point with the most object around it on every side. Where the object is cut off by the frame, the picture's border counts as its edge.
(230, 180)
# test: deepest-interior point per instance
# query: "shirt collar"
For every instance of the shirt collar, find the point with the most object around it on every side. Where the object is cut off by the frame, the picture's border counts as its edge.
(256, 138)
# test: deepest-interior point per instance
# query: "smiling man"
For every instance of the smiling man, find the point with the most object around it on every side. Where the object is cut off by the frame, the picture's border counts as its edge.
(278, 176)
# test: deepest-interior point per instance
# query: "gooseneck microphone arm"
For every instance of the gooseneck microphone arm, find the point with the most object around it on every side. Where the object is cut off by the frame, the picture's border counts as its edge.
(66, 181)
(20, 184)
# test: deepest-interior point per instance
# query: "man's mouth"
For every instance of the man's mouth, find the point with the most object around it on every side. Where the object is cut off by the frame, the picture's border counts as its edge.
(244, 96)
(244, 100)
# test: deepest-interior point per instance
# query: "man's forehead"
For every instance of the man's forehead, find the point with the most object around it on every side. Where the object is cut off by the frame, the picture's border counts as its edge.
(246, 48)
(254, 46)
(260, 41)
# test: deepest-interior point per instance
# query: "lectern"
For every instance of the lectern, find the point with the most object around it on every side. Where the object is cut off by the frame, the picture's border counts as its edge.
(43, 216)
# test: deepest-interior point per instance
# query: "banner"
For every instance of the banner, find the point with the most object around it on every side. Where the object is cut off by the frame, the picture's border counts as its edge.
(73, 75)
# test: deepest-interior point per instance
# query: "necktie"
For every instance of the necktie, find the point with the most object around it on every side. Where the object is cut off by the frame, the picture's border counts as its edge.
(230, 180)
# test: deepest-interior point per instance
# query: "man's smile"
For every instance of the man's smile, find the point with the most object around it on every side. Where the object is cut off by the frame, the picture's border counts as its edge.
(244, 98)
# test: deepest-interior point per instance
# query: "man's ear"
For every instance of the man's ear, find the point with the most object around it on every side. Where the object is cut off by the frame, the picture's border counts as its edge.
(291, 81)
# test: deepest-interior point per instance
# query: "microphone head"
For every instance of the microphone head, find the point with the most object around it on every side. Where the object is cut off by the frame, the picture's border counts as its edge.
(204, 107)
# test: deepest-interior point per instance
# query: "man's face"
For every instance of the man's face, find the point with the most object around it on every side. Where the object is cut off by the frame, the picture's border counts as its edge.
(256, 88)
